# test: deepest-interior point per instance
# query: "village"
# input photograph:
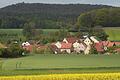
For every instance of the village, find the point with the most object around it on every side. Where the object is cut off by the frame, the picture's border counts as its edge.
(85, 45)
(59, 39)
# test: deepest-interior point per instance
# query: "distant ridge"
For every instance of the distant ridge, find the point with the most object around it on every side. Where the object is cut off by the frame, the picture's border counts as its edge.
(43, 12)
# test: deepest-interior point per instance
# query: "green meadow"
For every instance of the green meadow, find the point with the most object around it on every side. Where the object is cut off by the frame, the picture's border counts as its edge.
(58, 64)
(114, 33)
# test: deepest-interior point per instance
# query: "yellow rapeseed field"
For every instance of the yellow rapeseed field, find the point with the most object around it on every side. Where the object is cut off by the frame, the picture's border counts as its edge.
(96, 76)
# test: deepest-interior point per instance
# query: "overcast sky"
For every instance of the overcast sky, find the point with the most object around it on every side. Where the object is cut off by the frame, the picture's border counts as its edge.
(4, 3)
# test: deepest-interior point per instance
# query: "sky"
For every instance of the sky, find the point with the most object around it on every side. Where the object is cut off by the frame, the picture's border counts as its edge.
(4, 3)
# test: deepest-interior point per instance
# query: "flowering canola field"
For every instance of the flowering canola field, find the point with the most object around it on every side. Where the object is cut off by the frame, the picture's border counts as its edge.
(96, 76)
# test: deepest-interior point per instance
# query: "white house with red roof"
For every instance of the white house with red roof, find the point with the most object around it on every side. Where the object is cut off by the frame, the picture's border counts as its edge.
(66, 47)
(69, 45)
(79, 47)
(62, 47)
(27, 46)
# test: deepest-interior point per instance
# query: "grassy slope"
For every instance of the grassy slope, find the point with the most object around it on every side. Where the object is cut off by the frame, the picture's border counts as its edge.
(47, 64)
(63, 61)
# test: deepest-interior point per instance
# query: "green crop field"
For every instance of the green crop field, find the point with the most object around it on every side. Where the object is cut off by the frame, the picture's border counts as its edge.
(114, 33)
(64, 63)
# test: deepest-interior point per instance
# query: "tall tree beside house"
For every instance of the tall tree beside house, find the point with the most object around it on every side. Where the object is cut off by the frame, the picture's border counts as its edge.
(29, 30)
(100, 33)
(103, 17)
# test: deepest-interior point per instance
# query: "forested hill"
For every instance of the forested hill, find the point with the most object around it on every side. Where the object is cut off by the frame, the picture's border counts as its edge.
(44, 15)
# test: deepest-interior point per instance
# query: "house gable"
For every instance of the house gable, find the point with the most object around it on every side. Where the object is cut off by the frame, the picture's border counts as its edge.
(88, 41)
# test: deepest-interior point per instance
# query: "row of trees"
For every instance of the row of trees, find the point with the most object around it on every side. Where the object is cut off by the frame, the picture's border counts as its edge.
(31, 33)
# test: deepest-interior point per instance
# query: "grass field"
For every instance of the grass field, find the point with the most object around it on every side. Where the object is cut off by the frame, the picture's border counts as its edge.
(59, 64)
(114, 33)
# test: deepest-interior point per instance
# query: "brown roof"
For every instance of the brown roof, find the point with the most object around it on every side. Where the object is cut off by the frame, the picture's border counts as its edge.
(71, 40)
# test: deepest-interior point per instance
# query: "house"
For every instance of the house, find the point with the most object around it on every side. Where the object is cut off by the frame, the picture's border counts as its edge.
(54, 48)
(111, 44)
(61, 47)
(117, 43)
(58, 44)
(99, 47)
(104, 45)
(87, 50)
(79, 47)
(93, 38)
(66, 47)
(74, 45)
(88, 41)
(117, 50)
(27, 46)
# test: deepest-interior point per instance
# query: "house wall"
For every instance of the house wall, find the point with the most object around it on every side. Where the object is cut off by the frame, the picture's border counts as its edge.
(58, 44)
(78, 47)
(87, 41)
(66, 50)
(87, 50)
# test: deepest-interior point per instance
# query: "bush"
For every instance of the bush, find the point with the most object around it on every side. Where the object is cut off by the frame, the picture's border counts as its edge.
(13, 51)
(42, 50)
(93, 51)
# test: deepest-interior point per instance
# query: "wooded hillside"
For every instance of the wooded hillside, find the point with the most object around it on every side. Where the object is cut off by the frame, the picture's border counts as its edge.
(43, 15)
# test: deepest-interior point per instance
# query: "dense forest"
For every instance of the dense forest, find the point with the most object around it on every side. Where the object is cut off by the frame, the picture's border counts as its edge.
(43, 15)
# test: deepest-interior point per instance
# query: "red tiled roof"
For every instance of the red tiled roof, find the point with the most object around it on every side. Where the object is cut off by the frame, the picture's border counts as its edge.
(111, 44)
(117, 43)
(71, 40)
(99, 47)
(29, 48)
(66, 45)
(105, 43)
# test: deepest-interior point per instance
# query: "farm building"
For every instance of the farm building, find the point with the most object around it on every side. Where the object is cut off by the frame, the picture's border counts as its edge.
(27, 46)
